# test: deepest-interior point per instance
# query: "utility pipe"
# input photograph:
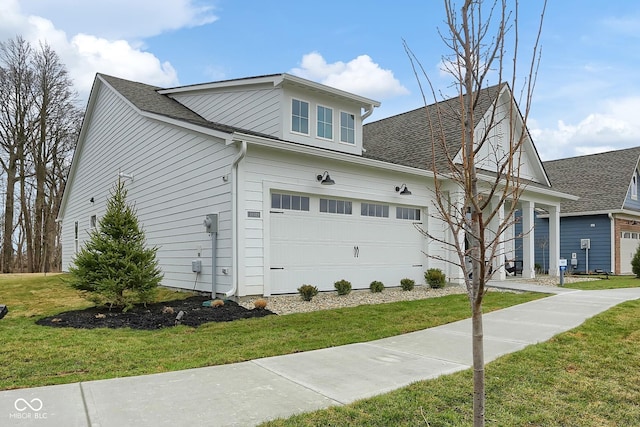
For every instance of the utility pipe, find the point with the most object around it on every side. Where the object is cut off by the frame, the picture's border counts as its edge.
(235, 216)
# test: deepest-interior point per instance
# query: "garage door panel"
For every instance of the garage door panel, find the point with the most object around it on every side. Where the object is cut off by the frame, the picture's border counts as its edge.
(322, 248)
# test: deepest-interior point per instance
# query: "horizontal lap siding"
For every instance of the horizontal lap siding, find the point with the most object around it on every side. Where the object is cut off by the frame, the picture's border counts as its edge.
(256, 110)
(177, 181)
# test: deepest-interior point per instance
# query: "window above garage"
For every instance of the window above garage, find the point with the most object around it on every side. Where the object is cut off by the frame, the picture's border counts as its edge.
(336, 206)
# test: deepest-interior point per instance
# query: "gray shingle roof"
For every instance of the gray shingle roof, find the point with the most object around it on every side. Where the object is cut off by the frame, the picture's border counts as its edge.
(406, 138)
(146, 98)
(600, 180)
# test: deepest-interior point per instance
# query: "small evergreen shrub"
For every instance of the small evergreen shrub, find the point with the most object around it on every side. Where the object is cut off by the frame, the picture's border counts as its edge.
(635, 263)
(260, 304)
(435, 278)
(376, 286)
(407, 284)
(343, 287)
(115, 267)
(307, 292)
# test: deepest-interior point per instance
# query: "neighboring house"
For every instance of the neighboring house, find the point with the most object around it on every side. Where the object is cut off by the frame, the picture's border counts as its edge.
(260, 154)
(601, 230)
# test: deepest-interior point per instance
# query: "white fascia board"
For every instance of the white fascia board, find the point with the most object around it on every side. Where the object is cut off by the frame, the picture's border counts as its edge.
(605, 212)
(76, 153)
(332, 155)
(320, 87)
(218, 85)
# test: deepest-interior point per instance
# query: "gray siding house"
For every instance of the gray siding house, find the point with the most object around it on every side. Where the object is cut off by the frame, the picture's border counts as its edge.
(601, 230)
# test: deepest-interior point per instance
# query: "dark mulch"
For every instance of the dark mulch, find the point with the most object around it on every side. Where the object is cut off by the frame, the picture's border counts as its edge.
(153, 316)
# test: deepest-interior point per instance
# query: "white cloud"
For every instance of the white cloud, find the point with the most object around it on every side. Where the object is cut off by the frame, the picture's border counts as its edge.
(87, 53)
(612, 129)
(121, 19)
(361, 76)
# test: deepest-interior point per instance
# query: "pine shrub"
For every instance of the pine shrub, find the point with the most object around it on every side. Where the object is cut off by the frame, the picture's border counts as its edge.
(407, 284)
(307, 292)
(376, 286)
(435, 278)
(115, 267)
(343, 287)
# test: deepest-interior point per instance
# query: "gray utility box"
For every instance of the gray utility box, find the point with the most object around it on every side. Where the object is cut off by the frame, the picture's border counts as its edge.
(211, 223)
(196, 266)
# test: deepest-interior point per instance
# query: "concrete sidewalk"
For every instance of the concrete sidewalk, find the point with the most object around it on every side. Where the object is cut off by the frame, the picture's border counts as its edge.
(248, 393)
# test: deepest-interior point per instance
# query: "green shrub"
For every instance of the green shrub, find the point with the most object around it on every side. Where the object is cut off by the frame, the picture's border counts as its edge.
(343, 287)
(635, 263)
(435, 278)
(407, 284)
(307, 292)
(115, 267)
(376, 286)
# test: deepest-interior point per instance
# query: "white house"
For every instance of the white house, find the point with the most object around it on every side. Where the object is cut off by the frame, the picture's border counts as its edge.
(295, 189)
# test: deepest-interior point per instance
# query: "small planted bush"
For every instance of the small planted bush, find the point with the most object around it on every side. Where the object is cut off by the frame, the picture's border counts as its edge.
(376, 286)
(407, 284)
(435, 278)
(343, 287)
(307, 292)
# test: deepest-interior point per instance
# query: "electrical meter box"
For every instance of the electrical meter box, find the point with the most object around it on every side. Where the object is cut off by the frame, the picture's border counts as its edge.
(196, 266)
(211, 223)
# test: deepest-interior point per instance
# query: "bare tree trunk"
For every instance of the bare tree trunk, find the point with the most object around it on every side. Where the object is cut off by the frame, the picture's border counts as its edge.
(476, 36)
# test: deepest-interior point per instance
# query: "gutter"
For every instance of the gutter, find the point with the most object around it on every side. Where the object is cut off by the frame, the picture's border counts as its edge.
(368, 112)
(235, 216)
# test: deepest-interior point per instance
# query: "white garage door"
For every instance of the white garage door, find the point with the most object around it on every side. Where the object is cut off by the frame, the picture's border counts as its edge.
(628, 245)
(342, 239)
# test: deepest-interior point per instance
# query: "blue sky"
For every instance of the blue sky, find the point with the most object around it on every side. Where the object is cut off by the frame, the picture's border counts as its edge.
(587, 97)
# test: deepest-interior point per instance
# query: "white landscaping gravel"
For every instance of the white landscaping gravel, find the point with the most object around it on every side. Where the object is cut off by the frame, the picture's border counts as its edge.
(293, 303)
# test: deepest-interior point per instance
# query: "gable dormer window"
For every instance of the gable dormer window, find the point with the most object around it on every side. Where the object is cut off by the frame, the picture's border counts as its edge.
(325, 122)
(300, 116)
(634, 187)
(347, 128)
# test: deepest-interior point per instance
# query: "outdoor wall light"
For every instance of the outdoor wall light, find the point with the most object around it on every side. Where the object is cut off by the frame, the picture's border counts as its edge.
(403, 190)
(91, 200)
(125, 175)
(325, 179)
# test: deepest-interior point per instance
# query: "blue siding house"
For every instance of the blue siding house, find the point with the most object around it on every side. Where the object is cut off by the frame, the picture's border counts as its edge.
(601, 230)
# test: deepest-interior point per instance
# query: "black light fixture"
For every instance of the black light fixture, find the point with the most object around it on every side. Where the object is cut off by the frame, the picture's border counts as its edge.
(91, 200)
(403, 190)
(325, 179)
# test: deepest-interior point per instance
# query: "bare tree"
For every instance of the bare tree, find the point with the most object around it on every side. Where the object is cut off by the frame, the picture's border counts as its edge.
(16, 79)
(39, 124)
(478, 184)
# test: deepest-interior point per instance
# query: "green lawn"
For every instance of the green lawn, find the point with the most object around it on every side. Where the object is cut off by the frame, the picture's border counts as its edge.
(613, 282)
(35, 355)
(589, 376)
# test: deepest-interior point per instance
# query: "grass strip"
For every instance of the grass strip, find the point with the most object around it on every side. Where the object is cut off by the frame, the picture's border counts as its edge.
(36, 355)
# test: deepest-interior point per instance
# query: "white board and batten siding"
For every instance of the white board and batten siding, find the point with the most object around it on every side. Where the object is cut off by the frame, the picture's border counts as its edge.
(177, 180)
(283, 249)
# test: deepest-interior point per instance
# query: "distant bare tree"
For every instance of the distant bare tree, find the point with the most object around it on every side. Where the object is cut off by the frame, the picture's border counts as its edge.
(39, 124)
(16, 119)
(478, 207)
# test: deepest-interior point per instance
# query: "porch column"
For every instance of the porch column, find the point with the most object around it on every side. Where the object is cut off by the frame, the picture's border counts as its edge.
(554, 240)
(456, 200)
(528, 239)
(498, 261)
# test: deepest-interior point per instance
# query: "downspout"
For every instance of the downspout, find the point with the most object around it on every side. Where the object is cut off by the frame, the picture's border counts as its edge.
(613, 242)
(234, 216)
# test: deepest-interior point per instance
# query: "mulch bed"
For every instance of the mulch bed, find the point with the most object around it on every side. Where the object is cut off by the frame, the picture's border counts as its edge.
(153, 316)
